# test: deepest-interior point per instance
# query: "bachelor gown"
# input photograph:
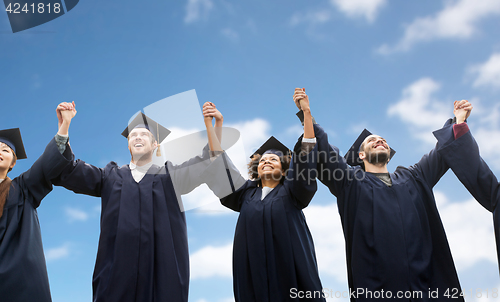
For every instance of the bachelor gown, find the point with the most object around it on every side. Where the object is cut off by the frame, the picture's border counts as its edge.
(273, 251)
(462, 155)
(23, 273)
(395, 240)
(143, 249)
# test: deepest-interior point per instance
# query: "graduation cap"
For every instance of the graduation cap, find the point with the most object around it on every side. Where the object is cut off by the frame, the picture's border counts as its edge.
(352, 156)
(273, 146)
(13, 139)
(143, 121)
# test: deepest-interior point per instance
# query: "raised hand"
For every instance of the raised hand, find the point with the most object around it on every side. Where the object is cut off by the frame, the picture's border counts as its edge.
(462, 110)
(301, 99)
(65, 112)
(210, 111)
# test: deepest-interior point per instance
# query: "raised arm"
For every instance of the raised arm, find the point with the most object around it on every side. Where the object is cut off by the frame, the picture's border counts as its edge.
(214, 134)
(222, 177)
(77, 176)
(463, 157)
(301, 177)
(433, 166)
(190, 174)
(332, 169)
(39, 178)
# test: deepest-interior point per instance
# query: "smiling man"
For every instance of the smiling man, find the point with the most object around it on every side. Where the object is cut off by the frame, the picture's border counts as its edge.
(396, 246)
(143, 248)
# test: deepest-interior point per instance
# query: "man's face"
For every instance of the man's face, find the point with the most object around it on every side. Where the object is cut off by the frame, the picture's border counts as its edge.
(376, 150)
(6, 157)
(141, 143)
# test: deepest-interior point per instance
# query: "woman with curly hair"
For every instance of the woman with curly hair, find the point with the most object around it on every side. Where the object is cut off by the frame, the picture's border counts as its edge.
(273, 251)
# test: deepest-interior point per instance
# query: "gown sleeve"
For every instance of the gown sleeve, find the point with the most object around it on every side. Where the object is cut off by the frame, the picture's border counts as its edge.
(82, 178)
(463, 157)
(187, 176)
(39, 178)
(331, 168)
(225, 180)
(301, 177)
(432, 166)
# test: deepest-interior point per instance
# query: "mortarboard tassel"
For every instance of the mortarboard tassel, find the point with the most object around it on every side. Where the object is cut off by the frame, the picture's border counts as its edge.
(158, 150)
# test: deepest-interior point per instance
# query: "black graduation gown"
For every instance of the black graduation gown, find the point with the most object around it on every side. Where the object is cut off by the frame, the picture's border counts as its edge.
(395, 240)
(273, 251)
(143, 249)
(462, 155)
(23, 273)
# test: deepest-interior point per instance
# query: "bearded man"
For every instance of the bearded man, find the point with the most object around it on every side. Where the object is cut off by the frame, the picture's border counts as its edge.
(396, 246)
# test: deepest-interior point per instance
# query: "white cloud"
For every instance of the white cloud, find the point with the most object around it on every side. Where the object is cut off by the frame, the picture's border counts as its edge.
(367, 9)
(58, 252)
(488, 129)
(294, 131)
(420, 110)
(211, 262)
(204, 201)
(487, 73)
(231, 34)
(253, 133)
(74, 214)
(326, 229)
(197, 10)
(458, 20)
(312, 18)
(424, 114)
(469, 228)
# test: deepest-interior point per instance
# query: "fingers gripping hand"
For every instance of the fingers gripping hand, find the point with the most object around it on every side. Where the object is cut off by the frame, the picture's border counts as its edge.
(65, 112)
(301, 99)
(462, 110)
(210, 111)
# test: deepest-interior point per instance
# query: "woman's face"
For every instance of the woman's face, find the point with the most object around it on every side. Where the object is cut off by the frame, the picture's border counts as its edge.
(6, 157)
(270, 167)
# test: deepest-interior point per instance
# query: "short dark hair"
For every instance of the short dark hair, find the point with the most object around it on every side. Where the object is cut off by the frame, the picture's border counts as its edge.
(253, 172)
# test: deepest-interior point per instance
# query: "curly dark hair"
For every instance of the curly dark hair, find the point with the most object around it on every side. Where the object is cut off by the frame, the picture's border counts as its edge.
(253, 165)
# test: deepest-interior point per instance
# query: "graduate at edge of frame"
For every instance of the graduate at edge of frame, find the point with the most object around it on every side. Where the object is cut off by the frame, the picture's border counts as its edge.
(396, 246)
(463, 157)
(23, 273)
(143, 247)
(273, 251)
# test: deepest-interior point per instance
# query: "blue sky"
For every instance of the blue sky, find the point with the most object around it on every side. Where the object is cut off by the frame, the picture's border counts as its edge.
(394, 67)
